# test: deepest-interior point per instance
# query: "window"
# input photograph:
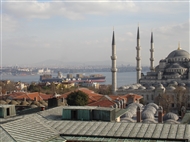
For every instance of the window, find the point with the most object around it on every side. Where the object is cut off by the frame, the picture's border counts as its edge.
(172, 104)
(147, 97)
(8, 111)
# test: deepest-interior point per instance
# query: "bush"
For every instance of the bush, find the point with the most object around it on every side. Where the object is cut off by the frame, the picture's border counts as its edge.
(77, 98)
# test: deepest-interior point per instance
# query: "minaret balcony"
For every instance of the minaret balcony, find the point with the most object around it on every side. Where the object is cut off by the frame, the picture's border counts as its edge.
(151, 59)
(113, 57)
(151, 50)
(138, 47)
(138, 58)
(114, 69)
(138, 69)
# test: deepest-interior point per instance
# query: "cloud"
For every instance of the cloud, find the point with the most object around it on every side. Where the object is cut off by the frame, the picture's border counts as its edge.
(9, 24)
(71, 10)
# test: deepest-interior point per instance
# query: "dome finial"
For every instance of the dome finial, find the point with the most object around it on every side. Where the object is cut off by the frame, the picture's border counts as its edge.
(179, 48)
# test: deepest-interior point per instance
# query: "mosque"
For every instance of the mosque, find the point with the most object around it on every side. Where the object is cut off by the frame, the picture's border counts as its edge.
(172, 73)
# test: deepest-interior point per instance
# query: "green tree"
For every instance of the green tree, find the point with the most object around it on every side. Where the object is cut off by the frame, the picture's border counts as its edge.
(77, 98)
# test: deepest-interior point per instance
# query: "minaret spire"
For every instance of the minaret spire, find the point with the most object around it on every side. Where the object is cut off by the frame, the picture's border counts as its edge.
(138, 35)
(114, 69)
(138, 68)
(151, 53)
(179, 47)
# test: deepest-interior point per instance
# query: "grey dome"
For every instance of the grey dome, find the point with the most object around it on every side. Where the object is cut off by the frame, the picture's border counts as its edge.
(181, 84)
(136, 105)
(149, 121)
(127, 120)
(132, 87)
(154, 105)
(178, 53)
(128, 114)
(176, 66)
(173, 83)
(142, 88)
(151, 88)
(151, 109)
(33, 106)
(162, 60)
(3, 102)
(182, 88)
(171, 121)
(170, 115)
(147, 115)
(122, 87)
(171, 88)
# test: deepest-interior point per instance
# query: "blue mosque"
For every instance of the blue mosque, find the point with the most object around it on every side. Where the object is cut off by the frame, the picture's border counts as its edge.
(172, 73)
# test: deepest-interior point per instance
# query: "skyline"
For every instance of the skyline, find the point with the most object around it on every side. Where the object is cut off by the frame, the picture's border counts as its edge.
(36, 31)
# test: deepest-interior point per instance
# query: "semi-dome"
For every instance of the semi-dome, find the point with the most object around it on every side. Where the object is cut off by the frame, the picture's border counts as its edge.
(178, 53)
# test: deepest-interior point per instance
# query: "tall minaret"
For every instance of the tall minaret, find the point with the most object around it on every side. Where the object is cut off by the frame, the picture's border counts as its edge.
(151, 53)
(138, 58)
(114, 69)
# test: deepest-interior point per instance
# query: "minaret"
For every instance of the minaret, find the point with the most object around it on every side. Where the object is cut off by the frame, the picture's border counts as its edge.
(114, 69)
(151, 53)
(138, 69)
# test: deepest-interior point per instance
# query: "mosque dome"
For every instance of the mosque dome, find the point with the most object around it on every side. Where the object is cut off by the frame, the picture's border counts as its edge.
(3, 102)
(178, 53)
(171, 88)
(171, 121)
(128, 114)
(154, 105)
(147, 115)
(142, 88)
(182, 84)
(170, 115)
(149, 121)
(126, 119)
(151, 87)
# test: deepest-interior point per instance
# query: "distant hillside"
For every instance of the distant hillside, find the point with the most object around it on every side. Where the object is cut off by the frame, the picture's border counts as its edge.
(58, 63)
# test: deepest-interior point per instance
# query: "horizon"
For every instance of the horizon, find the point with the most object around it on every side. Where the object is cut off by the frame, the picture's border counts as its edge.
(81, 31)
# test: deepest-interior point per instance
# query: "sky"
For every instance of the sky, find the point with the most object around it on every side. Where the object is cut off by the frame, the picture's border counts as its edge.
(81, 31)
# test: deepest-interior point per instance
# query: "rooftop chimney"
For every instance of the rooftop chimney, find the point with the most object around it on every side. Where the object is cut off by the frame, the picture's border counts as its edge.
(160, 113)
(138, 114)
(183, 111)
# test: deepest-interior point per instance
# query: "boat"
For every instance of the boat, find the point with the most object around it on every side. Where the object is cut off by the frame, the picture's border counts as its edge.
(70, 78)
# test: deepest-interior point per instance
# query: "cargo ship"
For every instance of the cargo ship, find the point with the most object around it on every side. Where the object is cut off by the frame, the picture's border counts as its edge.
(71, 78)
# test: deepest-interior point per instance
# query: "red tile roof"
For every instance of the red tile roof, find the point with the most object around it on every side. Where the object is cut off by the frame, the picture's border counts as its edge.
(30, 96)
(93, 97)
(102, 103)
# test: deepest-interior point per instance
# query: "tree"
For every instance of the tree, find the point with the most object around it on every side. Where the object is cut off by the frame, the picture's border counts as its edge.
(77, 98)
(181, 98)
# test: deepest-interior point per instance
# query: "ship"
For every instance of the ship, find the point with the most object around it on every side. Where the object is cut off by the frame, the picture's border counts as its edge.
(72, 79)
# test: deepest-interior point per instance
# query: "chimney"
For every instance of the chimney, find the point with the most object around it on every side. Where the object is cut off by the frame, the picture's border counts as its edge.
(35, 99)
(183, 111)
(160, 113)
(42, 108)
(138, 114)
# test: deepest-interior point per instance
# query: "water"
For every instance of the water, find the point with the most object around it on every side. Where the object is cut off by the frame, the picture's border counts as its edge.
(123, 78)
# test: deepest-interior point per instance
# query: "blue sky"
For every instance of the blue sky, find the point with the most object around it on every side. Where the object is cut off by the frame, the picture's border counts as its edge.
(35, 31)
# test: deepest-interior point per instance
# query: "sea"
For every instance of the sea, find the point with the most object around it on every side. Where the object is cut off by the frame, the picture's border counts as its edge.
(123, 78)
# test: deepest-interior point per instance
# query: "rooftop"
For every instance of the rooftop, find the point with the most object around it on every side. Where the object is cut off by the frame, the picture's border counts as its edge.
(44, 126)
